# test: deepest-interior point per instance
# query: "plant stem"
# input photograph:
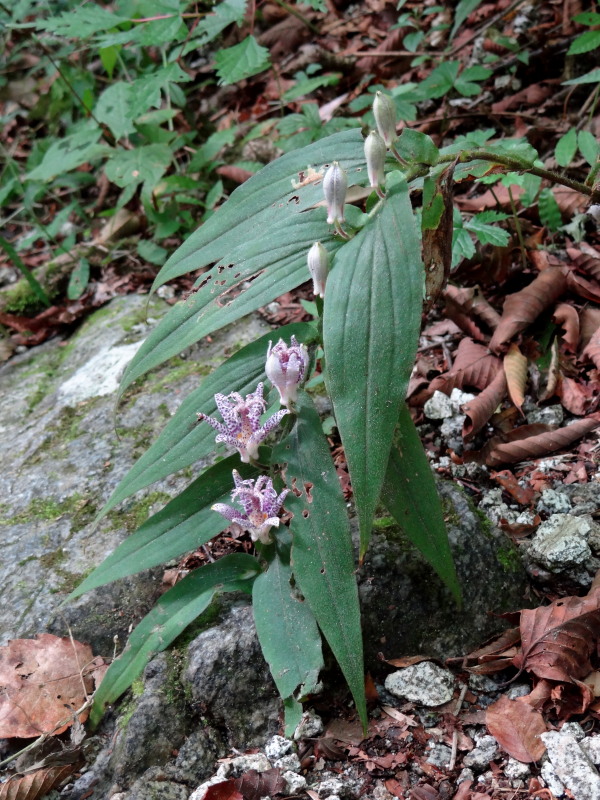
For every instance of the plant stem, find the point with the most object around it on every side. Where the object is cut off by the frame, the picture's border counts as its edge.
(518, 228)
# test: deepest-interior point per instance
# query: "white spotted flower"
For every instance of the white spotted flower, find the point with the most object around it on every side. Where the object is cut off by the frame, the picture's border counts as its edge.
(241, 426)
(261, 505)
(286, 368)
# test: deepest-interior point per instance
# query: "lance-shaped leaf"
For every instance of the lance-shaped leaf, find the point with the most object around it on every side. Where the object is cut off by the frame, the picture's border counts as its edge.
(371, 324)
(183, 441)
(322, 556)
(175, 610)
(410, 495)
(246, 278)
(181, 526)
(287, 632)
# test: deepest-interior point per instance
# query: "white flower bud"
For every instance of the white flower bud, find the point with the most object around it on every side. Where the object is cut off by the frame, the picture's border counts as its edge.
(385, 117)
(318, 266)
(335, 184)
(375, 151)
(286, 368)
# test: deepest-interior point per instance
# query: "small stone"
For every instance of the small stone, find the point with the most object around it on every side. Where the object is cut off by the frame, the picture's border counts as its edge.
(331, 786)
(553, 502)
(572, 766)
(234, 767)
(439, 406)
(481, 756)
(423, 683)
(481, 683)
(290, 762)
(561, 542)
(278, 746)
(518, 690)
(573, 729)
(310, 725)
(466, 774)
(549, 415)
(294, 783)
(440, 755)
(591, 747)
(516, 770)
(551, 780)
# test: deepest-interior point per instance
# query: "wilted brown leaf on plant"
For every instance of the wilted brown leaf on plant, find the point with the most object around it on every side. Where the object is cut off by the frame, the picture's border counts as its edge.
(479, 410)
(524, 307)
(42, 681)
(474, 366)
(567, 317)
(515, 370)
(558, 640)
(516, 726)
(530, 442)
(34, 785)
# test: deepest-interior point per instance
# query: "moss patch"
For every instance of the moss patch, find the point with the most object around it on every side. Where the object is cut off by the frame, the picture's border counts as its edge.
(136, 514)
(21, 299)
(79, 507)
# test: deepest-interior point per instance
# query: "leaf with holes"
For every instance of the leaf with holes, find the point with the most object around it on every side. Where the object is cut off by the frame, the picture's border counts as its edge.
(257, 216)
(287, 632)
(169, 617)
(371, 322)
(185, 523)
(183, 441)
(410, 495)
(322, 555)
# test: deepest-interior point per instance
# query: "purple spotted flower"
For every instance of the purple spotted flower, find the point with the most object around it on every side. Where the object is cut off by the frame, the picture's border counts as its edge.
(285, 368)
(241, 426)
(261, 505)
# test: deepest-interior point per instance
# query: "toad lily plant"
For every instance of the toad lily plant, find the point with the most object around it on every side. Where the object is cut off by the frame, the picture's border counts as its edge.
(373, 266)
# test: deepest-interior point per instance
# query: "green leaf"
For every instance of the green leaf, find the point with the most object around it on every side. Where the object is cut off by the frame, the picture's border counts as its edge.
(550, 215)
(181, 526)
(309, 85)
(371, 323)
(417, 147)
(322, 554)
(152, 252)
(146, 91)
(211, 26)
(287, 632)
(466, 84)
(142, 164)
(183, 441)
(410, 495)
(109, 57)
(113, 109)
(175, 610)
(587, 18)
(433, 204)
(588, 146)
(241, 61)
(566, 147)
(488, 234)
(81, 21)
(590, 77)
(463, 9)
(68, 153)
(79, 279)
(589, 40)
(440, 80)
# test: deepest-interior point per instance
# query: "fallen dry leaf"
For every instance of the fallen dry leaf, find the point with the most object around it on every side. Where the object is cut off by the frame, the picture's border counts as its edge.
(593, 681)
(592, 349)
(515, 370)
(558, 640)
(226, 790)
(523, 495)
(35, 785)
(474, 366)
(529, 442)
(524, 307)
(42, 681)
(516, 726)
(479, 410)
(567, 317)
(577, 397)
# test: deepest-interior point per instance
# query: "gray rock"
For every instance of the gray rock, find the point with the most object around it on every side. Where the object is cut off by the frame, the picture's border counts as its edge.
(294, 783)
(561, 542)
(516, 771)
(310, 725)
(584, 496)
(573, 729)
(291, 762)
(548, 415)
(198, 754)
(479, 758)
(277, 747)
(407, 609)
(438, 406)
(591, 747)
(424, 683)
(572, 766)
(552, 780)
(553, 502)
(439, 755)
(153, 785)
(228, 678)
(465, 774)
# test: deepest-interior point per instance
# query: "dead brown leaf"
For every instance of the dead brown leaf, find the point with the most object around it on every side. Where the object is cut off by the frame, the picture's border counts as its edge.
(517, 726)
(42, 681)
(567, 316)
(479, 410)
(226, 790)
(529, 442)
(577, 397)
(515, 370)
(592, 349)
(474, 366)
(523, 495)
(35, 785)
(498, 198)
(558, 640)
(524, 307)
(589, 290)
